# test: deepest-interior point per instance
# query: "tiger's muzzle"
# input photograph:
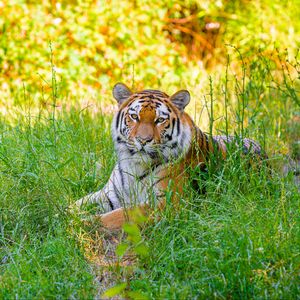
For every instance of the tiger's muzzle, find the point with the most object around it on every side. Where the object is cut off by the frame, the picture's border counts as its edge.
(145, 133)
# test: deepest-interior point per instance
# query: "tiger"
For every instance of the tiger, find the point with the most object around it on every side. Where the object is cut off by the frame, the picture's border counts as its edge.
(155, 141)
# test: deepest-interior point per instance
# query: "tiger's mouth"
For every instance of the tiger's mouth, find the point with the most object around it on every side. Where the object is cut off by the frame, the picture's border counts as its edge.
(152, 151)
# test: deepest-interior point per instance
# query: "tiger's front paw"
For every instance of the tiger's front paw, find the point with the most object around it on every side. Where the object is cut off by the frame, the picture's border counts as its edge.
(79, 203)
(88, 199)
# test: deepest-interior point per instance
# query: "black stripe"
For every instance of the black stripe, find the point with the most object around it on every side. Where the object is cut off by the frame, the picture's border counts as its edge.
(121, 174)
(174, 145)
(143, 97)
(206, 142)
(119, 140)
(178, 127)
(159, 180)
(118, 119)
(148, 105)
(131, 151)
(143, 175)
(116, 191)
(153, 92)
(150, 96)
(173, 125)
(110, 203)
(153, 167)
(203, 136)
(122, 117)
(168, 137)
(166, 103)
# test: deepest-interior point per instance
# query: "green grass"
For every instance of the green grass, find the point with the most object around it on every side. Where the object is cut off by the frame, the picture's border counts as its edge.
(43, 169)
(44, 267)
(240, 240)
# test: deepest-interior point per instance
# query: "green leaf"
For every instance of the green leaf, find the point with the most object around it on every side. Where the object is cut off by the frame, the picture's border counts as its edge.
(133, 232)
(121, 249)
(115, 290)
(136, 295)
(142, 250)
(137, 216)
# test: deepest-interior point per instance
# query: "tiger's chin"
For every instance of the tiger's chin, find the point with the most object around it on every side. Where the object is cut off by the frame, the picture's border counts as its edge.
(151, 155)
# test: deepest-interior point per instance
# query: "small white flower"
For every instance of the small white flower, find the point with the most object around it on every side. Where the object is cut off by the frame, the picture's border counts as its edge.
(57, 21)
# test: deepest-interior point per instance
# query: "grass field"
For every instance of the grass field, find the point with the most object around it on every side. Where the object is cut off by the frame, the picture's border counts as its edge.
(239, 240)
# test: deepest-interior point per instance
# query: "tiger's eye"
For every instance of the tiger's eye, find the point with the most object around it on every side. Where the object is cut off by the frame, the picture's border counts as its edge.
(134, 116)
(160, 120)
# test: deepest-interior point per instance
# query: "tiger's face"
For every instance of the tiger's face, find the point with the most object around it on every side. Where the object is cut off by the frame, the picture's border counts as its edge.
(149, 123)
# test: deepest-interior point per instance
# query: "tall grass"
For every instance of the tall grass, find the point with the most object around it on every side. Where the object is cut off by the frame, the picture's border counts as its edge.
(43, 168)
(239, 239)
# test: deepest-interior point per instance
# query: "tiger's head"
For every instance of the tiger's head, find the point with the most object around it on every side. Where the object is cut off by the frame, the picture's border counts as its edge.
(151, 123)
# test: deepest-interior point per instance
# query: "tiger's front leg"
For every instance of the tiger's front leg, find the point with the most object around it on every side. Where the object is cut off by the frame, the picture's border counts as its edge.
(108, 198)
(95, 198)
(123, 194)
(153, 186)
(119, 197)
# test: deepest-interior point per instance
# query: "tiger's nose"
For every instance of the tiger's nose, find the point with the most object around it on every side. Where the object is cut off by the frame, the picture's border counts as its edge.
(144, 141)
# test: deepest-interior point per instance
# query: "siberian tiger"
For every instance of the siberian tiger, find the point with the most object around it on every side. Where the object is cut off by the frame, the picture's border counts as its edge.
(155, 141)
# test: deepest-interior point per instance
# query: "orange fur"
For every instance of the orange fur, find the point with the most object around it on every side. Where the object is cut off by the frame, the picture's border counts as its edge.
(145, 127)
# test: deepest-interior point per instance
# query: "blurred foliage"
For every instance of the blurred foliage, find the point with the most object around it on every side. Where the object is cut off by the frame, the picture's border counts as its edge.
(152, 43)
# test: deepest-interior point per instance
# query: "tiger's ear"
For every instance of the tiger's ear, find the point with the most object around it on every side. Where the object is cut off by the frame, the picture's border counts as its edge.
(121, 92)
(181, 99)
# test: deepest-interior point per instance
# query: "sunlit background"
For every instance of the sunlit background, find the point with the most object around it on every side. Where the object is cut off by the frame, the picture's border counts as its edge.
(75, 51)
(161, 44)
